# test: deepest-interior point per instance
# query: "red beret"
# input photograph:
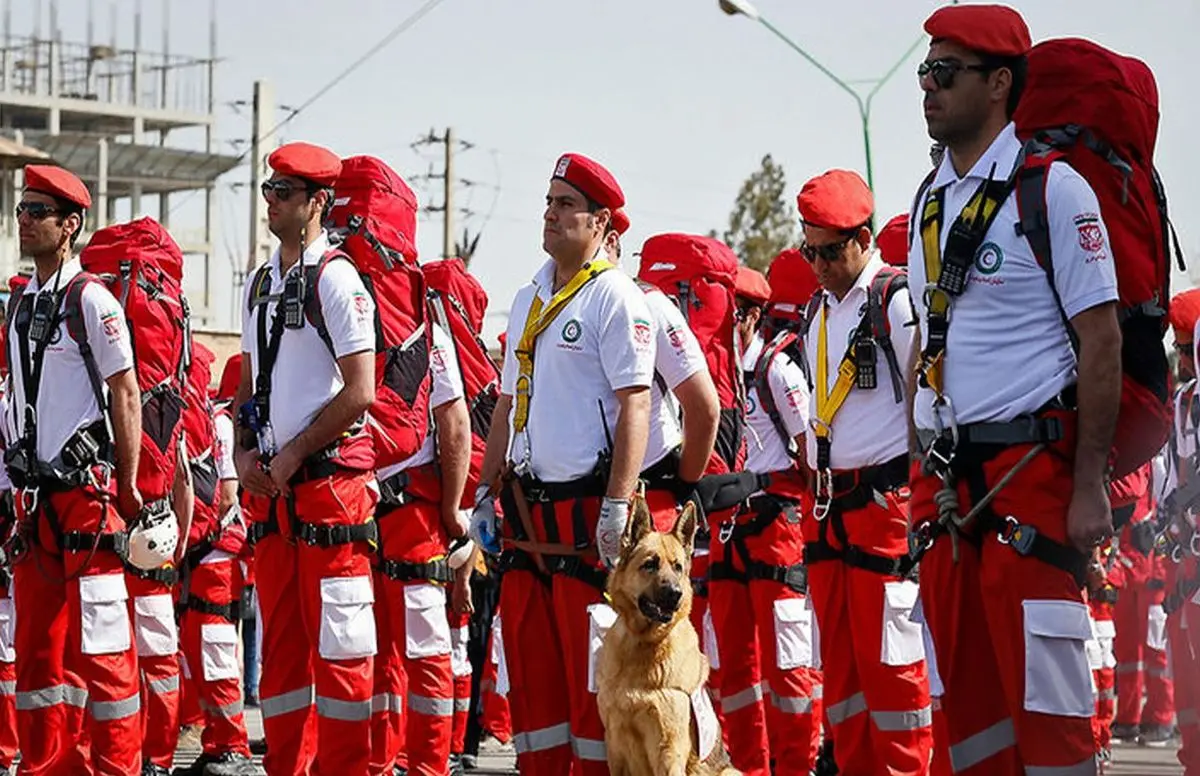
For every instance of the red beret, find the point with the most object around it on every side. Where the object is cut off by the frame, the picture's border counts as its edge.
(57, 182)
(892, 241)
(620, 221)
(307, 161)
(231, 377)
(839, 200)
(18, 281)
(1185, 311)
(986, 29)
(503, 340)
(793, 283)
(752, 286)
(595, 182)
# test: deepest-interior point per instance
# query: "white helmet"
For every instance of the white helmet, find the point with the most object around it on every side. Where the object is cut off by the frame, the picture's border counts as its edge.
(460, 552)
(153, 539)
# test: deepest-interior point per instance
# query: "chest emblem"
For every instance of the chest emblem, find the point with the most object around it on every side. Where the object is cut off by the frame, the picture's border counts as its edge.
(989, 258)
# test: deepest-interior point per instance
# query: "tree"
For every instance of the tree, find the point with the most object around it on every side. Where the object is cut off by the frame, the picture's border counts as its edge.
(762, 223)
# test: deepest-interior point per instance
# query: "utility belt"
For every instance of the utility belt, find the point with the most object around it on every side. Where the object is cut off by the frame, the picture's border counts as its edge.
(164, 575)
(765, 508)
(664, 477)
(1105, 595)
(404, 487)
(318, 466)
(538, 492)
(572, 566)
(85, 541)
(231, 612)
(959, 450)
(88, 447)
(436, 571)
(853, 489)
(312, 534)
(794, 577)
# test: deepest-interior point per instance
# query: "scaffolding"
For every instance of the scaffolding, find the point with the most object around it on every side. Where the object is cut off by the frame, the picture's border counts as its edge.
(109, 115)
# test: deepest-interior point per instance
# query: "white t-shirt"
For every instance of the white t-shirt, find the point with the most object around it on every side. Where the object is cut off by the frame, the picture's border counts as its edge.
(66, 401)
(870, 428)
(306, 377)
(677, 357)
(5, 481)
(601, 342)
(1008, 352)
(766, 450)
(224, 446)
(447, 387)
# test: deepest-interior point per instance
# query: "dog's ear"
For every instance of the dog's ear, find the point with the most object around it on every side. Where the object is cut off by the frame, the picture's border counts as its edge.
(685, 527)
(640, 524)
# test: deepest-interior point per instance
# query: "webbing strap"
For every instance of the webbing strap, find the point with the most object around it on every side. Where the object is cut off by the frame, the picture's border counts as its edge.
(829, 402)
(540, 316)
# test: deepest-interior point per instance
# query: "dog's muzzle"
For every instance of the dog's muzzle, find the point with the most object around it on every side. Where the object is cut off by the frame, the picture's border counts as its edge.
(662, 606)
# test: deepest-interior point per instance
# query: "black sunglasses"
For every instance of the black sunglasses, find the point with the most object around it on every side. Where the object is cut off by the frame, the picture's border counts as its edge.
(830, 252)
(283, 190)
(943, 71)
(36, 210)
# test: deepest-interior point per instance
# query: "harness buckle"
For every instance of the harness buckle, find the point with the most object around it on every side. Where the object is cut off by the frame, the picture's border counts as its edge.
(824, 494)
(29, 499)
(1017, 535)
(1176, 554)
(1195, 544)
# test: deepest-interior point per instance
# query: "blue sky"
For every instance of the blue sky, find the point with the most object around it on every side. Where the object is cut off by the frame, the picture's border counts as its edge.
(679, 100)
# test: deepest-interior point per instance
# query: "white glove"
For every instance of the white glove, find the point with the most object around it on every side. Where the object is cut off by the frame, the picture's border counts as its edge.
(483, 521)
(614, 514)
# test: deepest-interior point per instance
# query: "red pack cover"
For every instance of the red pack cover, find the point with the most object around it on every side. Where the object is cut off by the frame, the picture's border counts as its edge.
(698, 273)
(458, 303)
(200, 432)
(375, 213)
(141, 265)
(1109, 102)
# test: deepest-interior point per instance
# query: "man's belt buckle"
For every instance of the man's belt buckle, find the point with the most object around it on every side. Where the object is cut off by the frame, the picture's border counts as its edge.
(1017, 535)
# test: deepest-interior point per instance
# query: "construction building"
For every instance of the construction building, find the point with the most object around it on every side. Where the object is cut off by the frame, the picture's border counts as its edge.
(137, 126)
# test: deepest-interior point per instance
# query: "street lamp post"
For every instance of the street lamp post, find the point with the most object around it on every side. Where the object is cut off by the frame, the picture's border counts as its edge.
(747, 9)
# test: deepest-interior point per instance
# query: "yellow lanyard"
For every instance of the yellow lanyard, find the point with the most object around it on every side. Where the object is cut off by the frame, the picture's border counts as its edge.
(538, 321)
(828, 403)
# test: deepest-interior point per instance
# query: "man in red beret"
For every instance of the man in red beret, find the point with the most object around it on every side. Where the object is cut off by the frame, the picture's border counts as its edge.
(307, 463)
(1007, 410)
(73, 521)
(876, 691)
(575, 404)
(892, 241)
(762, 624)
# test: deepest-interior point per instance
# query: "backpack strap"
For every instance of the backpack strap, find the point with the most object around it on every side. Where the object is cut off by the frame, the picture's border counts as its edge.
(762, 383)
(802, 328)
(77, 330)
(883, 288)
(914, 212)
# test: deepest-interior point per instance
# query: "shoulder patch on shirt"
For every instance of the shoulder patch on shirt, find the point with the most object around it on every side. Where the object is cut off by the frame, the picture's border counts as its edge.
(362, 305)
(675, 336)
(112, 325)
(642, 331)
(1091, 236)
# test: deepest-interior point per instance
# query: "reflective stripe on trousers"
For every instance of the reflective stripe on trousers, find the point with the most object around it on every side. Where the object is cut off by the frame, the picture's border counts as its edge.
(167, 684)
(52, 696)
(107, 711)
(286, 703)
(742, 699)
(343, 711)
(430, 707)
(9, 687)
(386, 701)
(986, 743)
(228, 711)
(542, 739)
(894, 721)
(795, 704)
(844, 710)
(589, 749)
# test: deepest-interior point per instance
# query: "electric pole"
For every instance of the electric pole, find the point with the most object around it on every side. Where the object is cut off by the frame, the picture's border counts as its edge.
(450, 144)
(448, 197)
(260, 147)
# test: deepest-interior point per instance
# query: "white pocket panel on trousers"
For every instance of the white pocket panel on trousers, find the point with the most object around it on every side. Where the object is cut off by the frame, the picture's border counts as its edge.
(710, 641)
(219, 651)
(902, 643)
(154, 625)
(1156, 632)
(104, 615)
(1057, 678)
(1106, 632)
(793, 634)
(460, 662)
(502, 683)
(347, 619)
(8, 631)
(426, 628)
(600, 618)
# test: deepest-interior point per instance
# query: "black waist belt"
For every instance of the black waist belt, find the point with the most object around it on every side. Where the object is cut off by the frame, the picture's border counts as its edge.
(257, 531)
(883, 477)
(1106, 595)
(231, 611)
(436, 571)
(664, 476)
(795, 577)
(333, 535)
(537, 491)
(853, 555)
(393, 492)
(723, 571)
(700, 588)
(315, 470)
(978, 443)
(517, 560)
(167, 575)
(82, 541)
(576, 568)
(766, 508)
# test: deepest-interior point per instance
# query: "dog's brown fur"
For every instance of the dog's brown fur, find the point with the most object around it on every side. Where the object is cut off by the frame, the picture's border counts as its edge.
(648, 669)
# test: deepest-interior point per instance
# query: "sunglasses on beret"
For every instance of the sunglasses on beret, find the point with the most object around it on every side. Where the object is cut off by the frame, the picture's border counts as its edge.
(830, 252)
(943, 71)
(36, 210)
(283, 190)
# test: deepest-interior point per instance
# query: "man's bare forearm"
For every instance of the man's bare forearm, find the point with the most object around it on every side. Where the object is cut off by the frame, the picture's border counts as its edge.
(356, 396)
(1098, 391)
(497, 441)
(629, 441)
(454, 451)
(127, 425)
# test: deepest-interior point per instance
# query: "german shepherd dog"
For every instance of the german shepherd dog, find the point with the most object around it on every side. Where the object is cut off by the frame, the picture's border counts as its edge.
(650, 673)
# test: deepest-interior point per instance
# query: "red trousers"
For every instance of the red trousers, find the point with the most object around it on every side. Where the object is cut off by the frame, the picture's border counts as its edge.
(940, 762)
(1141, 652)
(1102, 663)
(157, 640)
(460, 665)
(210, 645)
(1183, 636)
(1010, 630)
(766, 648)
(877, 699)
(8, 682)
(387, 703)
(553, 629)
(190, 713)
(75, 650)
(318, 633)
(420, 632)
(493, 688)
